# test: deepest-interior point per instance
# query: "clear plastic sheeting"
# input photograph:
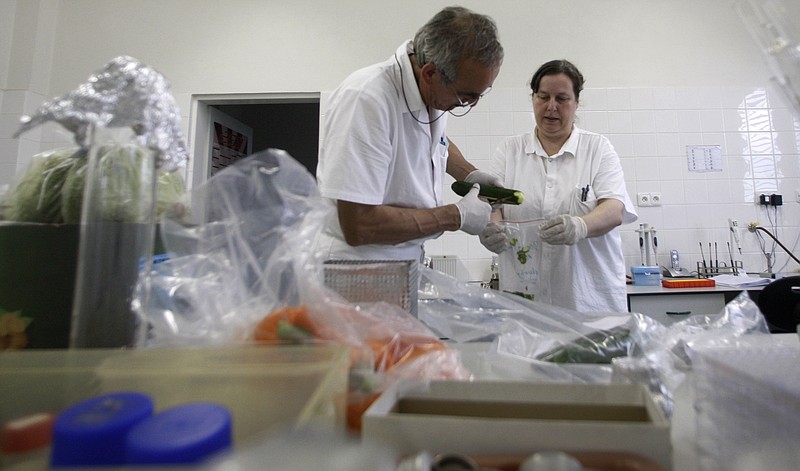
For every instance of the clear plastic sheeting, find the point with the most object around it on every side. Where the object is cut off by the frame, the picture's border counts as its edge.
(124, 93)
(746, 402)
(662, 361)
(245, 252)
(527, 340)
(244, 272)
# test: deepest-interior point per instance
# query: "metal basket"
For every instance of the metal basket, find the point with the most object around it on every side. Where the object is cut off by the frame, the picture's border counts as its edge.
(360, 281)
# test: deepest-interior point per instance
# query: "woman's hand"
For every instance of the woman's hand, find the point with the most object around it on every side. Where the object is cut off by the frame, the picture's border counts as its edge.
(563, 230)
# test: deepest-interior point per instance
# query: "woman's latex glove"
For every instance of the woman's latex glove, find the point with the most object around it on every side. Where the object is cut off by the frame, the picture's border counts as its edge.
(494, 238)
(474, 212)
(563, 230)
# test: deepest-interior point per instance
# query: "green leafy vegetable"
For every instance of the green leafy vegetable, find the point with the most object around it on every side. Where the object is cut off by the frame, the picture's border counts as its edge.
(51, 190)
(37, 195)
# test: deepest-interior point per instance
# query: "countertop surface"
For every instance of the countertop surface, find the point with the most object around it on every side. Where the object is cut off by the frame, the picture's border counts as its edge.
(639, 289)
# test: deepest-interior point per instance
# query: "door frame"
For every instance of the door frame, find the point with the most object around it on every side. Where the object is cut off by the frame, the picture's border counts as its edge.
(199, 132)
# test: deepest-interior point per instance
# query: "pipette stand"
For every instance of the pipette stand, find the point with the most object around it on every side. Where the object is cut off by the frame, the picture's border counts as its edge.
(721, 269)
(649, 272)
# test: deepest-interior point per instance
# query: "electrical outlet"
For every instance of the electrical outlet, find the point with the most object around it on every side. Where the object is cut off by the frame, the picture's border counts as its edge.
(655, 199)
(644, 199)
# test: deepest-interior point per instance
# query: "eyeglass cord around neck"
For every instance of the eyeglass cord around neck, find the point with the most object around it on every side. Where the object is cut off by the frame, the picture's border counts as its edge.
(403, 89)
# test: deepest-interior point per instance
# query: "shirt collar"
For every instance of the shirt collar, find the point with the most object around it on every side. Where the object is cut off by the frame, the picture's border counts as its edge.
(570, 147)
(409, 86)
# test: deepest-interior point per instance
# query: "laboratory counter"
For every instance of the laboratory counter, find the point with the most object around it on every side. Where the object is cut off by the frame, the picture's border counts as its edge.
(669, 305)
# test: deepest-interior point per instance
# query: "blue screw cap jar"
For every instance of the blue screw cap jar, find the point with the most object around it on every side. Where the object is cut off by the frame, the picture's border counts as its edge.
(93, 432)
(188, 433)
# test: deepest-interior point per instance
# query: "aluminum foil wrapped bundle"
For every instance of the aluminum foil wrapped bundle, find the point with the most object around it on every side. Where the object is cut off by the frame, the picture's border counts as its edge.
(127, 125)
(125, 93)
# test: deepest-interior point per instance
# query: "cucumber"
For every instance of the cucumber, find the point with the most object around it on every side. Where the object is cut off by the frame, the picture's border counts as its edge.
(492, 194)
(600, 346)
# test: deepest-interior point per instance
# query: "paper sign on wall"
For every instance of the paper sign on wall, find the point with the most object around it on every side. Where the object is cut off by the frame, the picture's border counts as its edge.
(704, 158)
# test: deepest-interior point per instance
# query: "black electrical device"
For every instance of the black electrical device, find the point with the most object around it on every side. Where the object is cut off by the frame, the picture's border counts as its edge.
(763, 200)
(776, 200)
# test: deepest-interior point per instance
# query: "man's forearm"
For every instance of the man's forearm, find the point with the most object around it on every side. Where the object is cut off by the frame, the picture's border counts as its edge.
(457, 165)
(380, 224)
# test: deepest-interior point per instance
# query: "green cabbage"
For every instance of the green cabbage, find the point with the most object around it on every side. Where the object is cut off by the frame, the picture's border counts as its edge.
(122, 169)
(51, 190)
(36, 197)
(72, 192)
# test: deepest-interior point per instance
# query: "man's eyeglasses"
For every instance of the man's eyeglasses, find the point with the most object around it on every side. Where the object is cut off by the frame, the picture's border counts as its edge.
(465, 99)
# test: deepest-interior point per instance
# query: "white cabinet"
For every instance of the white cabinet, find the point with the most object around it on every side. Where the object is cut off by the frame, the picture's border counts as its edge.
(669, 308)
(669, 305)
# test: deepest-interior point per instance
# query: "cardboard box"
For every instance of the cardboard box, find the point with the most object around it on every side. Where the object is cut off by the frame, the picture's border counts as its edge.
(497, 417)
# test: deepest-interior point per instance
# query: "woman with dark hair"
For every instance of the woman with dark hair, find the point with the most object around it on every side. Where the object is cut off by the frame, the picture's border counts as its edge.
(562, 245)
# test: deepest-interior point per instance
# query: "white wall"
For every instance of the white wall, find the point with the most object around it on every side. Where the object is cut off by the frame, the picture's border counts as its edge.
(660, 75)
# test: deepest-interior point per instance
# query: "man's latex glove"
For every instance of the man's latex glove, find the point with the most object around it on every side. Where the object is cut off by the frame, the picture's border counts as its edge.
(478, 176)
(563, 230)
(494, 238)
(474, 212)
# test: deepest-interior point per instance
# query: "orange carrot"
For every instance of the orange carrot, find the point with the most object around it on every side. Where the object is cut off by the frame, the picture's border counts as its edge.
(357, 404)
(401, 348)
(285, 323)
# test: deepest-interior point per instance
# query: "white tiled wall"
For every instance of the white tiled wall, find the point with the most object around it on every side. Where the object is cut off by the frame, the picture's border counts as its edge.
(15, 154)
(650, 129)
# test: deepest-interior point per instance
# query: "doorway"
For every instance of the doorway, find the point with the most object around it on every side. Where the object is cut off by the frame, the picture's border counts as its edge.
(287, 121)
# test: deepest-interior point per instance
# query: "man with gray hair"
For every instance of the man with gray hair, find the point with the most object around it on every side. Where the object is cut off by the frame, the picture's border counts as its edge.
(385, 149)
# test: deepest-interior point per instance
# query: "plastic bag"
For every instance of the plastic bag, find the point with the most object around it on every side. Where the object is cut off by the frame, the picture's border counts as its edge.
(743, 395)
(662, 358)
(244, 271)
(520, 261)
(386, 343)
(530, 340)
(540, 342)
(244, 251)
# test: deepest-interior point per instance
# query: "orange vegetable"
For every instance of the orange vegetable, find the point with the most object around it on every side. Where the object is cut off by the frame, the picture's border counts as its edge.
(283, 324)
(401, 348)
(379, 352)
(357, 404)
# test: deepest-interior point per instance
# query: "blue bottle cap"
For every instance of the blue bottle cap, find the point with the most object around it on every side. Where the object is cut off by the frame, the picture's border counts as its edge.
(187, 433)
(92, 432)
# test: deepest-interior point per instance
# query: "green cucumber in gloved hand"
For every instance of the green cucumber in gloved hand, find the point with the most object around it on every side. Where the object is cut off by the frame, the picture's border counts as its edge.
(492, 194)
